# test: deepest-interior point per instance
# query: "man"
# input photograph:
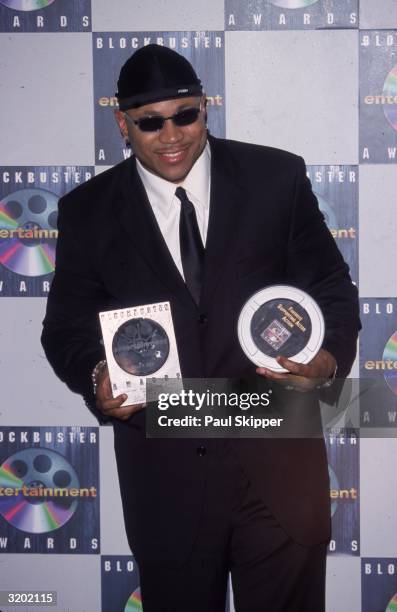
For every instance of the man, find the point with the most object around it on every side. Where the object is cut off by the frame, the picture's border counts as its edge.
(195, 509)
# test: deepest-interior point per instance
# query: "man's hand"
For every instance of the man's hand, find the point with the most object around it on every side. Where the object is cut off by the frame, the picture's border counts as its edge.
(302, 377)
(111, 406)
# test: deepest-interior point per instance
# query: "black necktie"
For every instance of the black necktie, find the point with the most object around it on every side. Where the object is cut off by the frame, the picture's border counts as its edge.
(192, 249)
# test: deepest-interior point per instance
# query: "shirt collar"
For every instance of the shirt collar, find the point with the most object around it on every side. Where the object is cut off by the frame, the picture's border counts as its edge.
(197, 183)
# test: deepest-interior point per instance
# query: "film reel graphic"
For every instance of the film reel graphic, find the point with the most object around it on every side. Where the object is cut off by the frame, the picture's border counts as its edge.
(392, 605)
(293, 4)
(334, 486)
(26, 5)
(29, 218)
(134, 601)
(140, 346)
(390, 89)
(390, 354)
(328, 212)
(35, 469)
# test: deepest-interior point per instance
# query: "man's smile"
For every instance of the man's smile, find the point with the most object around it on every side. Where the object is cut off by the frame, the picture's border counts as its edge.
(173, 157)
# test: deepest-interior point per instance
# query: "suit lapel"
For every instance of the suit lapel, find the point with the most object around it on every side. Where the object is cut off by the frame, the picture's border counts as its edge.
(137, 219)
(226, 200)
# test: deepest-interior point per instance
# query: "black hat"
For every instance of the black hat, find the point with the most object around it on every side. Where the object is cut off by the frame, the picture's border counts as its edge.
(155, 73)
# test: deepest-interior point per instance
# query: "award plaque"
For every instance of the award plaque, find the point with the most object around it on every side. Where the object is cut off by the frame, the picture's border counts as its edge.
(280, 320)
(139, 344)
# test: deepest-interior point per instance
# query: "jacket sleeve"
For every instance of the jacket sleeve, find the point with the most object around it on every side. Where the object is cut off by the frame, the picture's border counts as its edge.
(71, 335)
(315, 263)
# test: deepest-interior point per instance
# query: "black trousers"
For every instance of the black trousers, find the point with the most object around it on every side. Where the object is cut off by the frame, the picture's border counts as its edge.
(269, 571)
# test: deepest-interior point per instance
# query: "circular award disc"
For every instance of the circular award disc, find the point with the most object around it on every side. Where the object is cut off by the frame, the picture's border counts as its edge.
(390, 353)
(140, 346)
(280, 320)
(26, 5)
(293, 4)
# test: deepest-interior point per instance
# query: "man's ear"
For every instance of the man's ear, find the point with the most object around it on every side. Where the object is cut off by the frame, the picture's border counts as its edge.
(205, 108)
(122, 123)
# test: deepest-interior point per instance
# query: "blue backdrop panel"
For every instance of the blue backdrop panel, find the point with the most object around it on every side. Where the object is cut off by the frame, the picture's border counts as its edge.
(378, 363)
(336, 188)
(45, 15)
(205, 50)
(290, 14)
(49, 490)
(28, 224)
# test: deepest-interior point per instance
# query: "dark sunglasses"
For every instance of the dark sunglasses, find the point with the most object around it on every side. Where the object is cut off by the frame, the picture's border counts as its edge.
(156, 123)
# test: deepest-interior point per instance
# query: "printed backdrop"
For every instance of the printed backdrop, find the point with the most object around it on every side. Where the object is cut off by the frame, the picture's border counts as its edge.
(317, 77)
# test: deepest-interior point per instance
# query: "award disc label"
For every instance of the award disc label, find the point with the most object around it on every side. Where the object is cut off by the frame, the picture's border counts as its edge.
(281, 325)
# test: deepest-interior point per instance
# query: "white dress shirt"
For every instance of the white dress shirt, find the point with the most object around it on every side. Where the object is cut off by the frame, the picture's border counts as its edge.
(166, 206)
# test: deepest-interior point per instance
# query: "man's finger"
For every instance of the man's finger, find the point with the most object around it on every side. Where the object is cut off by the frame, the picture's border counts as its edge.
(270, 374)
(279, 376)
(285, 378)
(125, 412)
(299, 369)
(289, 381)
(110, 403)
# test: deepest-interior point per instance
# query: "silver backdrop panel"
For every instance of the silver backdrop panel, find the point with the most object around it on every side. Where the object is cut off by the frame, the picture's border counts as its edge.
(343, 590)
(113, 536)
(378, 498)
(379, 14)
(46, 117)
(154, 15)
(31, 393)
(61, 573)
(378, 229)
(280, 91)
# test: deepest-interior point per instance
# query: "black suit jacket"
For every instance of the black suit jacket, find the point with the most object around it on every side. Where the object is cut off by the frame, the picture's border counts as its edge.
(264, 228)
